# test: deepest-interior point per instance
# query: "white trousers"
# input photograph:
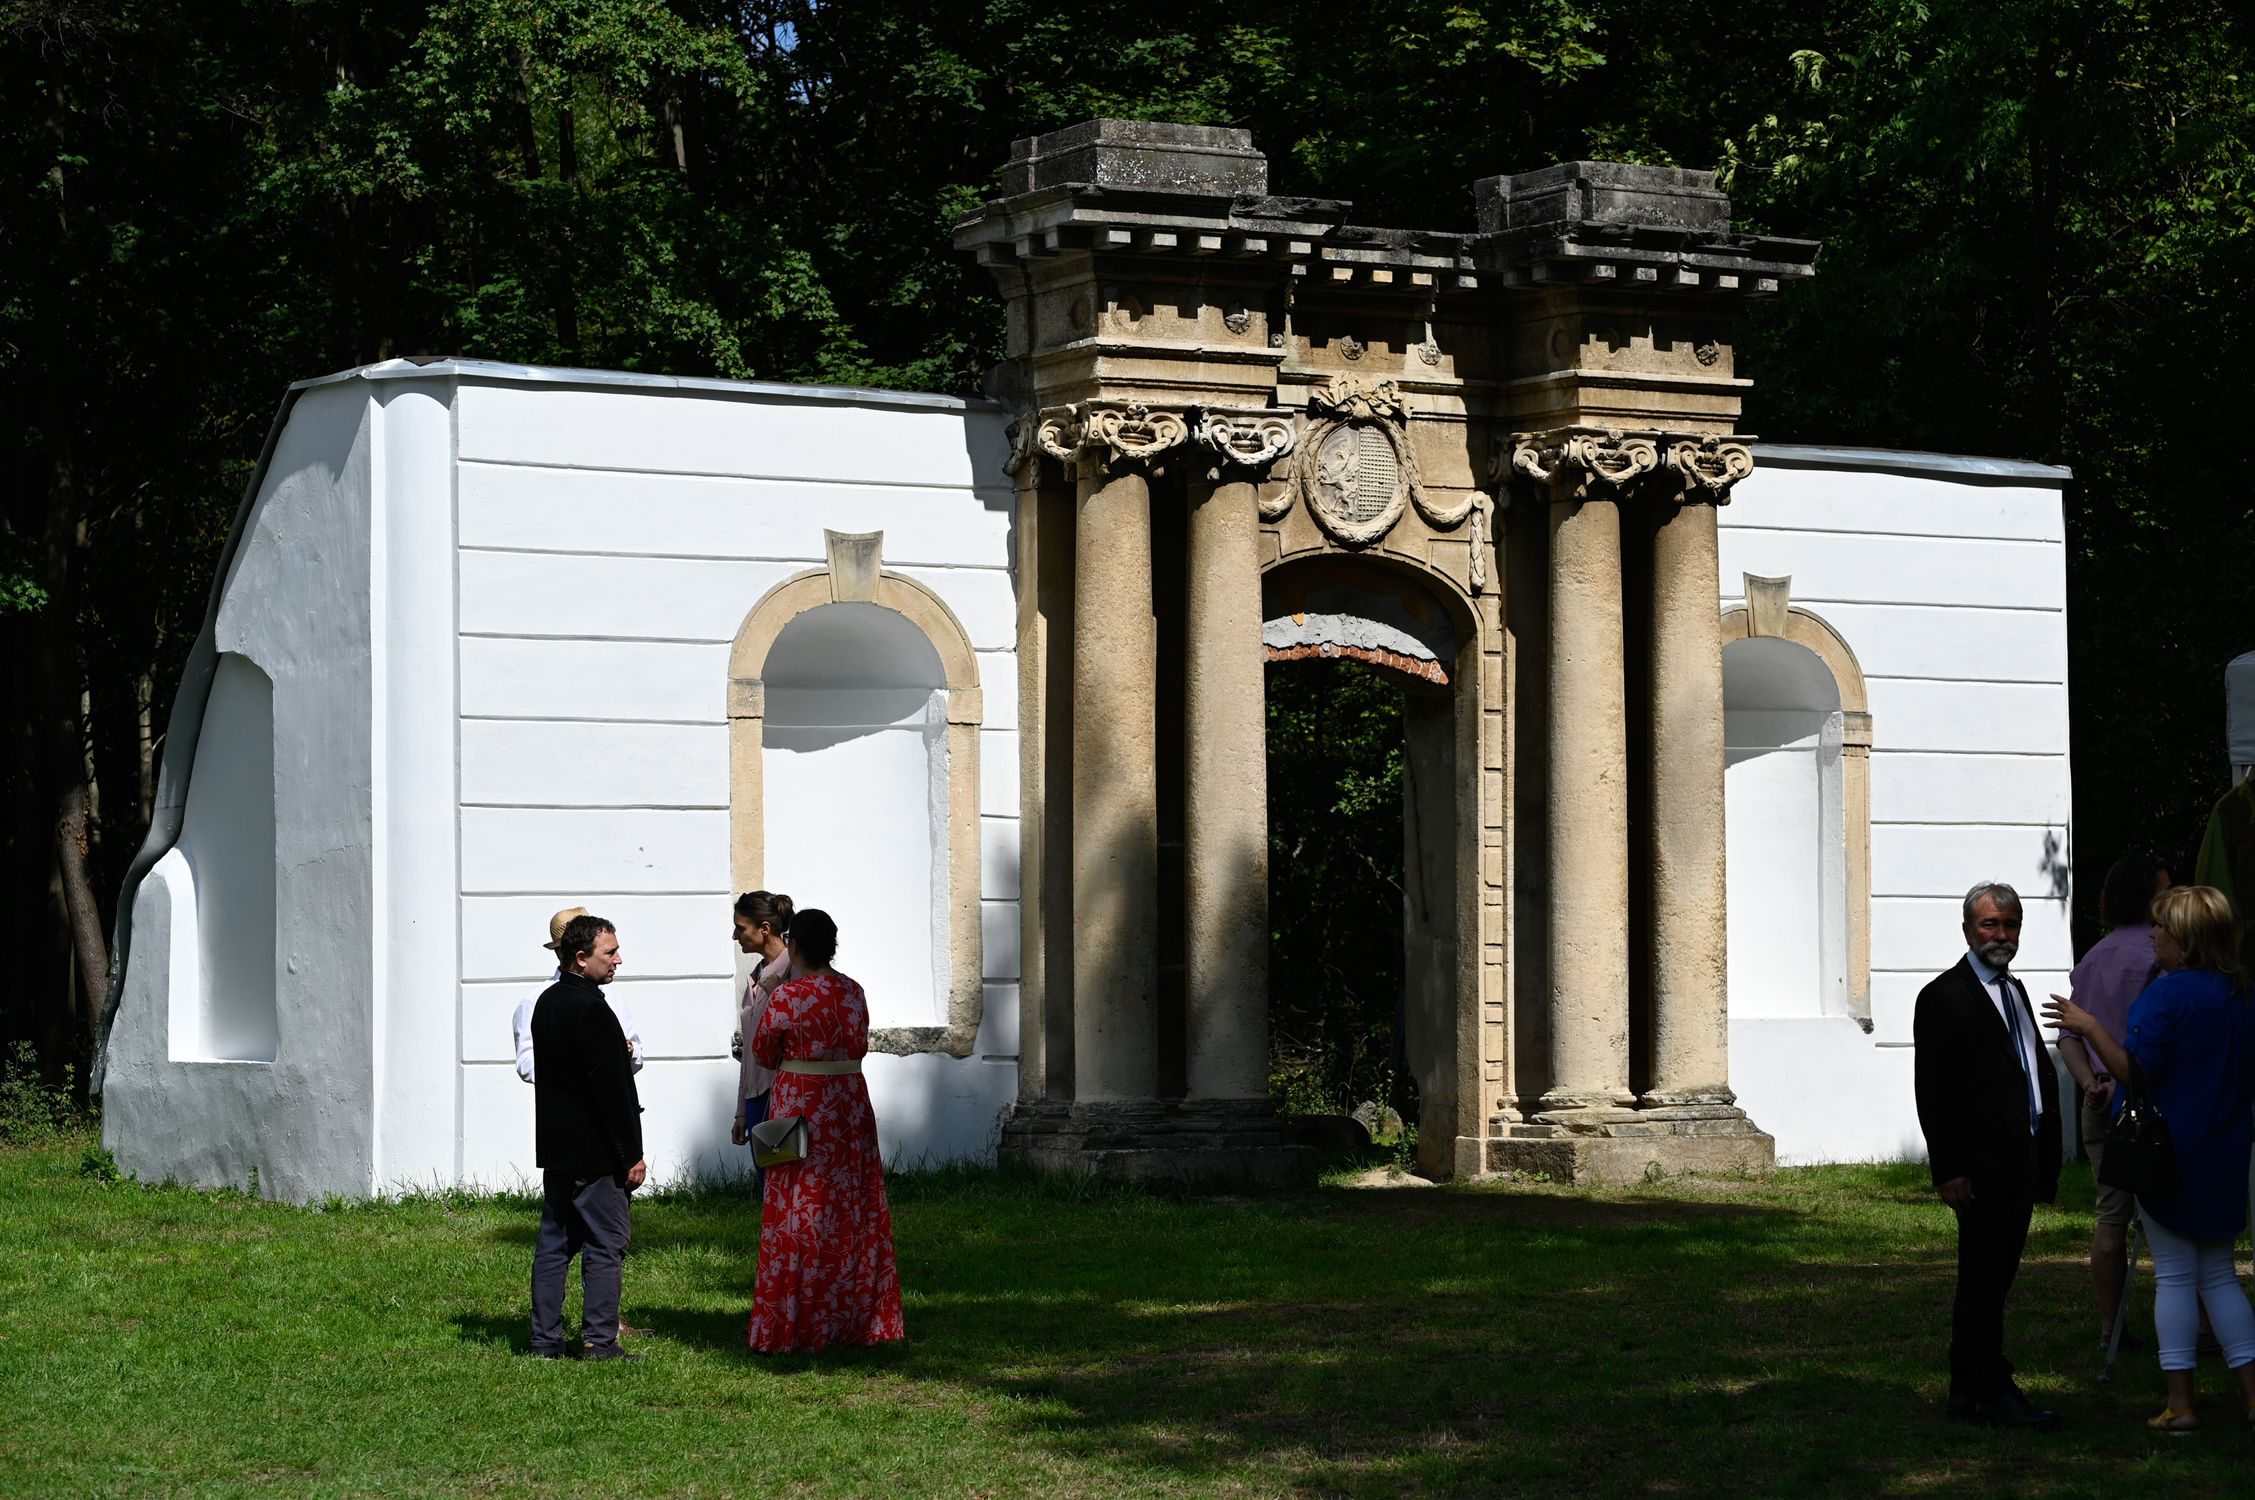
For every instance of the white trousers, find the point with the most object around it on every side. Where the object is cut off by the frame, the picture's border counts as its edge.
(2187, 1275)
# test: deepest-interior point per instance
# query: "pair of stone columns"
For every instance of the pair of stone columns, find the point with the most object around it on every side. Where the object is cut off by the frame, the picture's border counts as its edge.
(1589, 476)
(1111, 452)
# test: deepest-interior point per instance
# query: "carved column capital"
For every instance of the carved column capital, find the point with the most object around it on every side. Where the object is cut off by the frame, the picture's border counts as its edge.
(1106, 436)
(1024, 448)
(1245, 445)
(1708, 467)
(1584, 463)
(1249, 440)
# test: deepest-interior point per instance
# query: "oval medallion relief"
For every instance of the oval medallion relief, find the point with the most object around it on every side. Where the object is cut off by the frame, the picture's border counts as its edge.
(1355, 480)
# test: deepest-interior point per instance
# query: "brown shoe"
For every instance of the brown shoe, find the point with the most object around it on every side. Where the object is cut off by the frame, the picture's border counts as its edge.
(629, 1331)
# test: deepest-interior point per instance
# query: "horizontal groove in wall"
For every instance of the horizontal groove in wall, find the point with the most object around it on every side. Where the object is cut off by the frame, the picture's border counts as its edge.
(998, 491)
(802, 563)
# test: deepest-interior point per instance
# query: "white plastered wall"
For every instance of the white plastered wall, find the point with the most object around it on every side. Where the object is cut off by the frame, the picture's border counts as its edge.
(1947, 578)
(612, 539)
(295, 608)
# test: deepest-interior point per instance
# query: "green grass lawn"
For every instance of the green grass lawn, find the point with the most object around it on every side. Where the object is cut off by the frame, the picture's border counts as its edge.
(1714, 1338)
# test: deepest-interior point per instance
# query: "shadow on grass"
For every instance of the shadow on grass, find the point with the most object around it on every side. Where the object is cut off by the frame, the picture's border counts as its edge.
(1392, 1341)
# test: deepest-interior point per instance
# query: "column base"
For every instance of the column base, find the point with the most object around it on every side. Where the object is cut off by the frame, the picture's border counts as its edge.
(1621, 1146)
(1206, 1145)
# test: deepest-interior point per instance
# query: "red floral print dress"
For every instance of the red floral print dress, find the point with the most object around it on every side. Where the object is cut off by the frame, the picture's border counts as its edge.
(826, 1270)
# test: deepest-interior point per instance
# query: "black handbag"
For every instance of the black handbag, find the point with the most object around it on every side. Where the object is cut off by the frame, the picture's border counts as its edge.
(2140, 1156)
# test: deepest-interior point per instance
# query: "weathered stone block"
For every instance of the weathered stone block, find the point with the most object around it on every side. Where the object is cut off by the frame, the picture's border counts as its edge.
(1209, 1145)
(1581, 194)
(1606, 1160)
(1139, 156)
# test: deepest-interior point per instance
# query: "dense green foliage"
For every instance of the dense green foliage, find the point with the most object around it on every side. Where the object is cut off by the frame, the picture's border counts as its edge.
(1773, 1337)
(2038, 217)
(1335, 887)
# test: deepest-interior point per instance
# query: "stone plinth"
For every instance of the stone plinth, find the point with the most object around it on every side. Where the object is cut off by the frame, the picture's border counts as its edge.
(1139, 155)
(1632, 1144)
(1218, 1144)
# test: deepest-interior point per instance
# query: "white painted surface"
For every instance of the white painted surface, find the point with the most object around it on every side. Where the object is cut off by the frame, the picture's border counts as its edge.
(228, 843)
(1951, 591)
(1786, 833)
(497, 618)
(297, 604)
(415, 917)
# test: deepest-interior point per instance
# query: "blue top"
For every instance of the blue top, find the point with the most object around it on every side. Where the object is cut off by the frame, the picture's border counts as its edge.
(2194, 1036)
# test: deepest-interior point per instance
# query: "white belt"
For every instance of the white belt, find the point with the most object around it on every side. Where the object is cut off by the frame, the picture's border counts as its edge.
(820, 1069)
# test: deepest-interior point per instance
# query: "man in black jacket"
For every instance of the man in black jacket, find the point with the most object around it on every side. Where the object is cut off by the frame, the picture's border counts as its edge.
(588, 1142)
(1989, 1104)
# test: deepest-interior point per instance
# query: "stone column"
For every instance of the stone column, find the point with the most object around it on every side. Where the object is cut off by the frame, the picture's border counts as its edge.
(1690, 997)
(1587, 846)
(1225, 766)
(1115, 772)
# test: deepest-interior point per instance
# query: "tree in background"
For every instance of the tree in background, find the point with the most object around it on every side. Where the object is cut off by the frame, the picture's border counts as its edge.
(2037, 215)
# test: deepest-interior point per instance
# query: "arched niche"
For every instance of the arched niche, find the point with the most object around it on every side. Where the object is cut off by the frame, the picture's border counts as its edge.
(847, 662)
(1797, 726)
(227, 1012)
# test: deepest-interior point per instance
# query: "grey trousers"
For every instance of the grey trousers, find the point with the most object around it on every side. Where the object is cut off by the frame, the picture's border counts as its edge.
(586, 1217)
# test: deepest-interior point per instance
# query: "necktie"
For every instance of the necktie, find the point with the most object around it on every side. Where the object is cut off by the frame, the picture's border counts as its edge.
(2011, 993)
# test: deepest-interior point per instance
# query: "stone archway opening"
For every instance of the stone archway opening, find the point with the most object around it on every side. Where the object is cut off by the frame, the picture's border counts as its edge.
(1367, 844)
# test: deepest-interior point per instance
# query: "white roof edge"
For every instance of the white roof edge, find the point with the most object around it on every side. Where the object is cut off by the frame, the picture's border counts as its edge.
(488, 369)
(1959, 466)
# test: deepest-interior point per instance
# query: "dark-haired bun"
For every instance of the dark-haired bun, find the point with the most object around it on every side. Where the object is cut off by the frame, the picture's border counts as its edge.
(815, 936)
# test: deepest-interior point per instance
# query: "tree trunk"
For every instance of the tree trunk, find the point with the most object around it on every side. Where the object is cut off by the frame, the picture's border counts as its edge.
(567, 173)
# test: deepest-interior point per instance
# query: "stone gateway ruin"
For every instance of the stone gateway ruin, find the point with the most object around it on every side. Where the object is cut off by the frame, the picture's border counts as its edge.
(1696, 758)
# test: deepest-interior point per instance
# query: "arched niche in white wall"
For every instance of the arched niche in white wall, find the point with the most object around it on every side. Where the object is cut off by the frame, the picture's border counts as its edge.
(854, 771)
(227, 840)
(854, 713)
(1797, 729)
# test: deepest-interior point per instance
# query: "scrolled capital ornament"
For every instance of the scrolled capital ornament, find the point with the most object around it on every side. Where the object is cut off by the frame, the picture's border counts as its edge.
(1245, 440)
(1709, 467)
(1059, 432)
(1024, 446)
(1582, 465)
(1095, 436)
(1134, 433)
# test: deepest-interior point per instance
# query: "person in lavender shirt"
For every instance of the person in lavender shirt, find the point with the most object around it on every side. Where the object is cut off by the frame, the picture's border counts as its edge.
(2118, 966)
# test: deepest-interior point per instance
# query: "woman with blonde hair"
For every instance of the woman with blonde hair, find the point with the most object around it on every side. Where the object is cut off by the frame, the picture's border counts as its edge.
(2190, 1051)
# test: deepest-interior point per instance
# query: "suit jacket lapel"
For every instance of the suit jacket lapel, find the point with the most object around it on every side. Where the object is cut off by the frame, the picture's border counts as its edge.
(1977, 995)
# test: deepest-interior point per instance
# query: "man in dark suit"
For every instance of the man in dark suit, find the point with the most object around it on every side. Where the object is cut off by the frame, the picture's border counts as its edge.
(1989, 1104)
(588, 1140)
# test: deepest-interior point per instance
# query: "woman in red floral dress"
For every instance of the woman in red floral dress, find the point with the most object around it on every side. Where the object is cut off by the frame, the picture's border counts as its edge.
(826, 1270)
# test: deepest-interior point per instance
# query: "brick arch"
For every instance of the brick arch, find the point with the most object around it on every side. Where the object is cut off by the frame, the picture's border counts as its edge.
(851, 579)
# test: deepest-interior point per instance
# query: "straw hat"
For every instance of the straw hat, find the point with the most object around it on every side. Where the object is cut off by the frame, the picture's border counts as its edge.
(558, 922)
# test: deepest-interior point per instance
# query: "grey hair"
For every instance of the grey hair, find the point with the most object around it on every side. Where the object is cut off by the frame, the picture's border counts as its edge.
(2004, 895)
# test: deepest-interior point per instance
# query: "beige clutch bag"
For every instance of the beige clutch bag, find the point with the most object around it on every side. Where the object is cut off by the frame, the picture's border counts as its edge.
(779, 1142)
